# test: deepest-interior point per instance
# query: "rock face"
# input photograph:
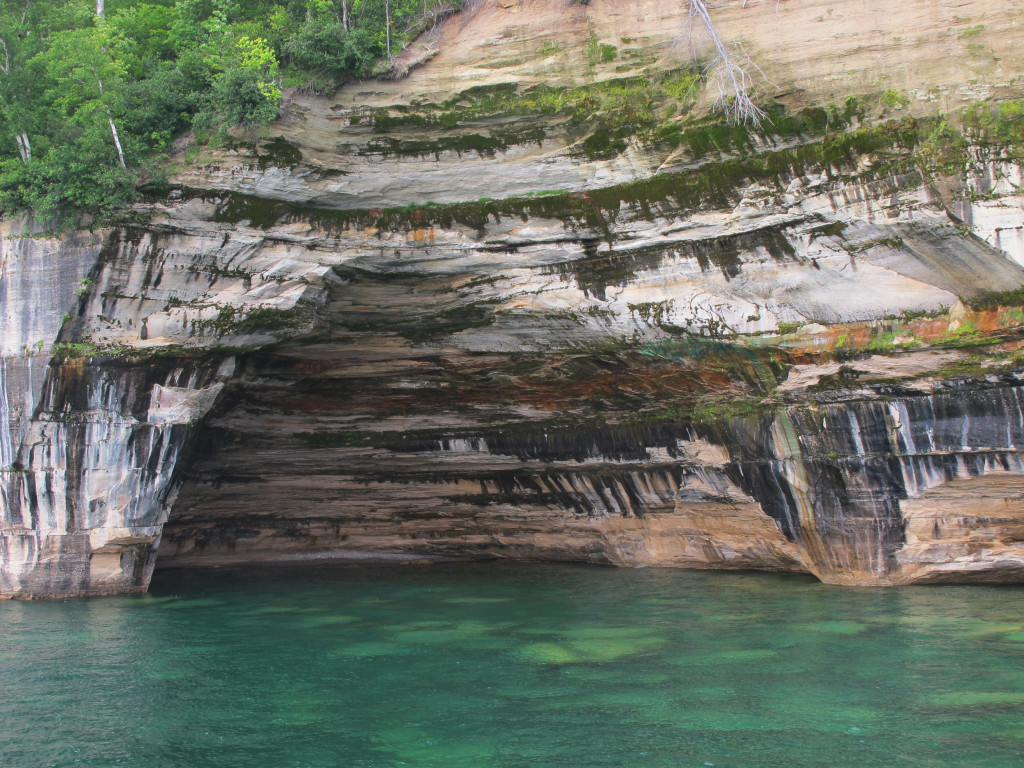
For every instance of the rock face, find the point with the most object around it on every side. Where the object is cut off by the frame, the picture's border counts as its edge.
(524, 321)
(88, 451)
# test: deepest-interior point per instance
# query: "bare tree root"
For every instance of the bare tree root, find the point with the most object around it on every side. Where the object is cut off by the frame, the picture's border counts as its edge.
(730, 70)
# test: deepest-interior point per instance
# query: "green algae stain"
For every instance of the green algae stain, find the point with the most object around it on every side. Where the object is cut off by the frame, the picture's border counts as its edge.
(713, 183)
(279, 153)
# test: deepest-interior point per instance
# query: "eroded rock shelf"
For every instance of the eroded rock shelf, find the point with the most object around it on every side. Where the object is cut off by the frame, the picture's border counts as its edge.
(690, 345)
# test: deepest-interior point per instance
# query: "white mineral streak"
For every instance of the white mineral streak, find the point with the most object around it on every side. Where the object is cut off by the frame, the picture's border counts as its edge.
(99, 481)
(90, 452)
(7, 422)
(102, 483)
(995, 209)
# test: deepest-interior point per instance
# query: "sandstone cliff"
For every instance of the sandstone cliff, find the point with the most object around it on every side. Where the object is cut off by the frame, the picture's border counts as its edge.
(532, 301)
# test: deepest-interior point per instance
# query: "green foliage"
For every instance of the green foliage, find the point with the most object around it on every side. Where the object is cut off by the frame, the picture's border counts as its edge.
(321, 47)
(73, 86)
(600, 53)
(996, 299)
(72, 350)
(603, 114)
(996, 124)
(89, 107)
(893, 99)
(75, 178)
(247, 89)
(944, 149)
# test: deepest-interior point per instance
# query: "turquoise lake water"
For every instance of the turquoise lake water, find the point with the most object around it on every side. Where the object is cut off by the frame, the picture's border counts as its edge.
(513, 665)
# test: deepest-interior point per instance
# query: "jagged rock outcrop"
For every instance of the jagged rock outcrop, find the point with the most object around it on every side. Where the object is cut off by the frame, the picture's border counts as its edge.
(87, 451)
(431, 321)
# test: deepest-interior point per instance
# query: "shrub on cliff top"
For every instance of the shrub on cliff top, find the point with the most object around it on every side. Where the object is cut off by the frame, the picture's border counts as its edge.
(90, 95)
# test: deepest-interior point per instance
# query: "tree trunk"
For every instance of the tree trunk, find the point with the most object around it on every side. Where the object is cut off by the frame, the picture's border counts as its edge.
(100, 7)
(117, 140)
(387, 26)
(24, 148)
(344, 13)
(110, 120)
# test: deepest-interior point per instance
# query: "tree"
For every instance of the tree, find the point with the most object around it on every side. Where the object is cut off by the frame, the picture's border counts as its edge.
(17, 78)
(90, 92)
(80, 61)
(248, 89)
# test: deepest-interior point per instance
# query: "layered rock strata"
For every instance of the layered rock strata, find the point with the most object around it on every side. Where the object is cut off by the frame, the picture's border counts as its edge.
(437, 322)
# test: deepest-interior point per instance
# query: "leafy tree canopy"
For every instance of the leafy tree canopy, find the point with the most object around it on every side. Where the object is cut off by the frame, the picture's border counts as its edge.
(92, 94)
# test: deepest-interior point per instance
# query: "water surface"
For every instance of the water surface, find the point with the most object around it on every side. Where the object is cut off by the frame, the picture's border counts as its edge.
(489, 665)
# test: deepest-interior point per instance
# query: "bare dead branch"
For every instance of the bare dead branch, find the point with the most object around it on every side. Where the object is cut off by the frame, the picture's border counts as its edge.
(730, 69)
